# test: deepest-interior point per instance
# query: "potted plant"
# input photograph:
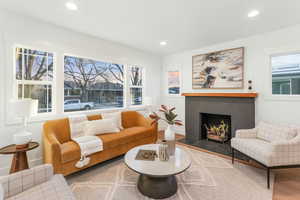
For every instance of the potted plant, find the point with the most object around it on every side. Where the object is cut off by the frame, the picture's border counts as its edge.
(168, 116)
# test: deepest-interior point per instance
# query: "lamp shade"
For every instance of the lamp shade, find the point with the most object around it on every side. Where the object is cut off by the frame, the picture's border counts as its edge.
(148, 101)
(24, 107)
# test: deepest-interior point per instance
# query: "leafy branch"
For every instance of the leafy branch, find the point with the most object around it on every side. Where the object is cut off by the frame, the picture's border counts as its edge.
(169, 116)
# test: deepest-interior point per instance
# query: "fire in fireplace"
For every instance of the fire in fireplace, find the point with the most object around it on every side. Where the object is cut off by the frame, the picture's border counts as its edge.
(215, 127)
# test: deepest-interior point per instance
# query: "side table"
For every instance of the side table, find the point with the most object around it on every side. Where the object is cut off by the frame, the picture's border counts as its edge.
(19, 161)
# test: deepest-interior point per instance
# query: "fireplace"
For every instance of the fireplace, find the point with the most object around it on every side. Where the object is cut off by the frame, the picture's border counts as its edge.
(235, 110)
(215, 127)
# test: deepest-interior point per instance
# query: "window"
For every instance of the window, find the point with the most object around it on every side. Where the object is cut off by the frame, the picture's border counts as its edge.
(34, 76)
(136, 85)
(286, 74)
(91, 84)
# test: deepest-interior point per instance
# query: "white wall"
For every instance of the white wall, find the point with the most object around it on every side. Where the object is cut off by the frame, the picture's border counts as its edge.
(19, 30)
(257, 51)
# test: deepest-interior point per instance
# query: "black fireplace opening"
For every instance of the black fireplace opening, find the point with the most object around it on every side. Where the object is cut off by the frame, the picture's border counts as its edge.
(215, 127)
(215, 134)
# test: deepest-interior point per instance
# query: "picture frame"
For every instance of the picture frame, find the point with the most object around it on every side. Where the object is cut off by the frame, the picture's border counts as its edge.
(219, 70)
(174, 82)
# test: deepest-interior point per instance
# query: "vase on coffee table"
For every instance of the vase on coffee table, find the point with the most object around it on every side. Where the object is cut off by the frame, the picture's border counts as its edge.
(170, 139)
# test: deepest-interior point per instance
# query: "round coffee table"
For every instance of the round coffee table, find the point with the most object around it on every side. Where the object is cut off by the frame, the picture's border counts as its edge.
(157, 178)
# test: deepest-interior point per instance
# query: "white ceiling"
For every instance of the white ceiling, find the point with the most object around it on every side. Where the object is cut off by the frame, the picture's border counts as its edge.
(185, 24)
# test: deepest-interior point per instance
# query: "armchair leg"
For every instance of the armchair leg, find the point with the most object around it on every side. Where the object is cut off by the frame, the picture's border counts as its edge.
(232, 155)
(268, 177)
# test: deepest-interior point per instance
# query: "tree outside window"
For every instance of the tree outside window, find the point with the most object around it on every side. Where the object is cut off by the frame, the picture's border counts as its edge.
(34, 76)
(97, 84)
(136, 85)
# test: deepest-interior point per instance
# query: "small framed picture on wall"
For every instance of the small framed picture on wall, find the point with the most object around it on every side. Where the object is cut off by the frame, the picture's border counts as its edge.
(174, 82)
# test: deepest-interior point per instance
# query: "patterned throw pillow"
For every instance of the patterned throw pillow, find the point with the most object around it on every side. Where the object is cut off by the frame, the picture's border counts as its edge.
(272, 132)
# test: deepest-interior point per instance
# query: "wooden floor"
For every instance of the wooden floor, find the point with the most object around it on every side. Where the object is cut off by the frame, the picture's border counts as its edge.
(287, 181)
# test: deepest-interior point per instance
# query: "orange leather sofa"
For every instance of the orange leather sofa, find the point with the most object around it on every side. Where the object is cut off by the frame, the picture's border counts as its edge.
(63, 153)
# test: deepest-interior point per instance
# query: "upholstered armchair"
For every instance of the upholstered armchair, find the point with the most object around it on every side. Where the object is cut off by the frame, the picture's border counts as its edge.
(36, 183)
(270, 145)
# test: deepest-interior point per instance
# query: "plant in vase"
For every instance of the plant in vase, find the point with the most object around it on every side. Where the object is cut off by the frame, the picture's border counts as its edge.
(169, 116)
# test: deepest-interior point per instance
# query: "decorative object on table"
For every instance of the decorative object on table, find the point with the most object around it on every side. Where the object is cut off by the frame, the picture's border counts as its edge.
(174, 82)
(163, 153)
(250, 87)
(221, 69)
(170, 118)
(146, 155)
(25, 109)
(19, 161)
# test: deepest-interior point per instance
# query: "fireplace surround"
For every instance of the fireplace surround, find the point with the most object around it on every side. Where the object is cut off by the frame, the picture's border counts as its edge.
(236, 108)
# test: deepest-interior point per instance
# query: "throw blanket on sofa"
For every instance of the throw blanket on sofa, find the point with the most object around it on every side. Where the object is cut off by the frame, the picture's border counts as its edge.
(88, 144)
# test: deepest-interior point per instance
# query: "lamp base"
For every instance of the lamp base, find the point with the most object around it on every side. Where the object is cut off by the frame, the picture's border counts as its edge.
(22, 139)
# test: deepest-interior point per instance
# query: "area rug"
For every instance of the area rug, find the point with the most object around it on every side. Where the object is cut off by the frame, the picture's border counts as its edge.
(209, 178)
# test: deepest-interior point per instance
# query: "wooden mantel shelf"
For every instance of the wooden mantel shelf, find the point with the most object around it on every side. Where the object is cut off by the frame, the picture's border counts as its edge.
(239, 95)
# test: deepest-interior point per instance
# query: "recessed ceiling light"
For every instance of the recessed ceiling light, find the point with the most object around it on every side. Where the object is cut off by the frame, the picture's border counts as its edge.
(70, 5)
(163, 43)
(253, 13)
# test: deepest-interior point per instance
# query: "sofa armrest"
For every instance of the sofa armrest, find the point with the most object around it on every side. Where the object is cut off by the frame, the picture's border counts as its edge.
(145, 121)
(52, 149)
(287, 146)
(246, 133)
(16, 183)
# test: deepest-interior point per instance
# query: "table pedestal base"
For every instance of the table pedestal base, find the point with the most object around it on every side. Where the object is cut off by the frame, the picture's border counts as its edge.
(157, 187)
(19, 162)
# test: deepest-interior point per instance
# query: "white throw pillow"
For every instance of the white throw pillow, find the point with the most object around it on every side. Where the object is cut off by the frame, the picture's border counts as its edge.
(114, 115)
(96, 127)
(272, 132)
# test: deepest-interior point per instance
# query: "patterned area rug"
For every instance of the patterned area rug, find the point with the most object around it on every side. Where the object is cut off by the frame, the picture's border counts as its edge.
(209, 178)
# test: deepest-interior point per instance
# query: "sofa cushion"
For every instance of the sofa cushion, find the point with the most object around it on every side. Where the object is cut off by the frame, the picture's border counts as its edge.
(70, 150)
(272, 132)
(127, 135)
(257, 149)
(56, 188)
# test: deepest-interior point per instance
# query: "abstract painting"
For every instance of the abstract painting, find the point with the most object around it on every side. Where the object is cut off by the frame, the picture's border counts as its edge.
(174, 82)
(219, 70)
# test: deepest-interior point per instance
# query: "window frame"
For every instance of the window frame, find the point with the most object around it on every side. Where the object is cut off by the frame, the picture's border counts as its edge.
(269, 93)
(143, 86)
(94, 110)
(24, 82)
(57, 84)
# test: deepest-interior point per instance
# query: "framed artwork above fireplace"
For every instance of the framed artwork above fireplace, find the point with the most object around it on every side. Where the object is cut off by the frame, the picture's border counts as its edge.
(219, 70)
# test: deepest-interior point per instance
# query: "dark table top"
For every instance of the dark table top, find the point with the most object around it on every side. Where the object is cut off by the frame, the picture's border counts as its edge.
(11, 149)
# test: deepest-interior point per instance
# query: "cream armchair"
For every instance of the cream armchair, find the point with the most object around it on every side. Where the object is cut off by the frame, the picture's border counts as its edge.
(270, 145)
(35, 184)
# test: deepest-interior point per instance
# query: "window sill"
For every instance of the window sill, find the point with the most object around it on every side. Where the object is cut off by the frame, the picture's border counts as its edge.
(282, 97)
(51, 116)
